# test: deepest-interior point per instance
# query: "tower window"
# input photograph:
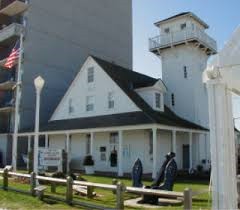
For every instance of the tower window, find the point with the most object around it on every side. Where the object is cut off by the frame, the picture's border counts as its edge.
(185, 72)
(158, 100)
(173, 99)
(183, 26)
(90, 75)
(166, 30)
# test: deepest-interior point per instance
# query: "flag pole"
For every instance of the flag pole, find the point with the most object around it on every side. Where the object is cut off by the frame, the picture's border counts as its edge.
(17, 104)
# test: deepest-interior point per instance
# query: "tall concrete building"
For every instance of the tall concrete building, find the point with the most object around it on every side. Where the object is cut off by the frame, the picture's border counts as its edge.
(58, 37)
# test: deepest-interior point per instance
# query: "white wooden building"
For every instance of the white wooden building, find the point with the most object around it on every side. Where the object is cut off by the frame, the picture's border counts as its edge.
(110, 108)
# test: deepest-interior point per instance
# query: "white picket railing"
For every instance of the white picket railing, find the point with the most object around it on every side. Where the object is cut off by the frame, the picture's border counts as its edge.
(185, 35)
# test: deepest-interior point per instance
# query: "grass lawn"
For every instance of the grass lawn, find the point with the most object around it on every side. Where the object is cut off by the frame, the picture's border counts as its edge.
(13, 200)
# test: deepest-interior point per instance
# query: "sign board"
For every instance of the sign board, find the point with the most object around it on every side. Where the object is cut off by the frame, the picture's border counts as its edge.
(50, 157)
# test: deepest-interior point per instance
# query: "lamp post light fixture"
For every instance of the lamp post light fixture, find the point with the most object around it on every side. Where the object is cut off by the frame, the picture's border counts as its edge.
(38, 83)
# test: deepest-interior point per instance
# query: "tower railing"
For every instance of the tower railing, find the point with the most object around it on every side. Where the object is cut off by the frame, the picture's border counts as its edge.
(188, 34)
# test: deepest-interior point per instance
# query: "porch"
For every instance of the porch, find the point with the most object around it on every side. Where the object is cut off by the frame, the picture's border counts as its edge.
(150, 143)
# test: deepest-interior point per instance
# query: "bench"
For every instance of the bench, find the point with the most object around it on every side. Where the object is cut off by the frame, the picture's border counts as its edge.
(39, 190)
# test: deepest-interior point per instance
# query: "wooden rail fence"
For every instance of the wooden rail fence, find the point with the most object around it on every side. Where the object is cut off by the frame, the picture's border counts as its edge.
(117, 188)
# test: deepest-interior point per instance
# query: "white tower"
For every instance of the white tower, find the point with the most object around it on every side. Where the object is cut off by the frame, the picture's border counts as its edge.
(184, 48)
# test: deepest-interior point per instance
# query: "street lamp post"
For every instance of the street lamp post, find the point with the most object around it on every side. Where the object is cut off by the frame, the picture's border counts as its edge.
(38, 83)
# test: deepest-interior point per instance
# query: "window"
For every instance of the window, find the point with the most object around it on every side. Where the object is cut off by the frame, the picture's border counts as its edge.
(103, 156)
(185, 72)
(90, 103)
(88, 144)
(114, 138)
(90, 75)
(173, 100)
(166, 30)
(70, 106)
(158, 100)
(110, 100)
(150, 143)
(183, 26)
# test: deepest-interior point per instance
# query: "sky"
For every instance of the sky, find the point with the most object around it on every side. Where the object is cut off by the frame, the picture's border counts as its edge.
(223, 16)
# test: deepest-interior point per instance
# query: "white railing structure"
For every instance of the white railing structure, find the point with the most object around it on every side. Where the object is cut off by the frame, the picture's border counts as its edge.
(177, 37)
(117, 188)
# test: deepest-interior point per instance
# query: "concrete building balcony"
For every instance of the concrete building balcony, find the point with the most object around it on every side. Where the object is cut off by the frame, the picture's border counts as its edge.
(3, 61)
(9, 33)
(12, 7)
(7, 107)
(193, 35)
(7, 86)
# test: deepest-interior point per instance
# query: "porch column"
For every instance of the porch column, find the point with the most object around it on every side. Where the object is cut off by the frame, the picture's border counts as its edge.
(68, 151)
(154, 173)
(120, 151)
(223, 159)
(174, 144)
(92, 144)
(46, 141)
(29, 143)
(29, 149)
(190, 151)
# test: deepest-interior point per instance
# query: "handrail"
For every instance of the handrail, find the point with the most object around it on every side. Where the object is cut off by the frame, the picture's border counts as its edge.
(181, 36)
(119, 189)
(162, 193)
(136, 190)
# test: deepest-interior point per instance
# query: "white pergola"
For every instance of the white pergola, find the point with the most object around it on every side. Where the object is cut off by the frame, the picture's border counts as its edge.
(223, 78)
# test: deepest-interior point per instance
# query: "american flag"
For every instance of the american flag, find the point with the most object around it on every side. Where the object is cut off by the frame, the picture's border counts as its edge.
(14, 55)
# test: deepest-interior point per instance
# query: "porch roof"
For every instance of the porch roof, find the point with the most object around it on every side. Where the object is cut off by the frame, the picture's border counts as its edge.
(116, 120)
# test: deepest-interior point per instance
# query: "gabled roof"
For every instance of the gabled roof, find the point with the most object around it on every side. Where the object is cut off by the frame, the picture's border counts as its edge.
(125, 77)
(127, 80)
(190, 14)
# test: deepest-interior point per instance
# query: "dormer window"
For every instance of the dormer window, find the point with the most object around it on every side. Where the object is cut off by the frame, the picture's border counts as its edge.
(90, 75)
(158, 100)
(167, 30)
(183, 26)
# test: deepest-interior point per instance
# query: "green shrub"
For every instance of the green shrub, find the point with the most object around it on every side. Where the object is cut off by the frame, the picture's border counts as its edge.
(88, 161)
(30, 161)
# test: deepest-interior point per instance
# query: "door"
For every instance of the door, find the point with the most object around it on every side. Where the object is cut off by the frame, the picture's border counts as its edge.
(186, 154)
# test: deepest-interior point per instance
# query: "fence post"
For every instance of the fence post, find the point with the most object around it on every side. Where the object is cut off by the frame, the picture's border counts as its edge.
(69, 191)
(90, 191)
(5, 179)
(114, 182)
(187, 199)
(53, 187)
(120, 196)
(33, 183)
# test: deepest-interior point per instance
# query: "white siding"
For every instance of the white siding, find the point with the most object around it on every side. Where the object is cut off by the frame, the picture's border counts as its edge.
(191, 100)
(102, 85)
(175, 25)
